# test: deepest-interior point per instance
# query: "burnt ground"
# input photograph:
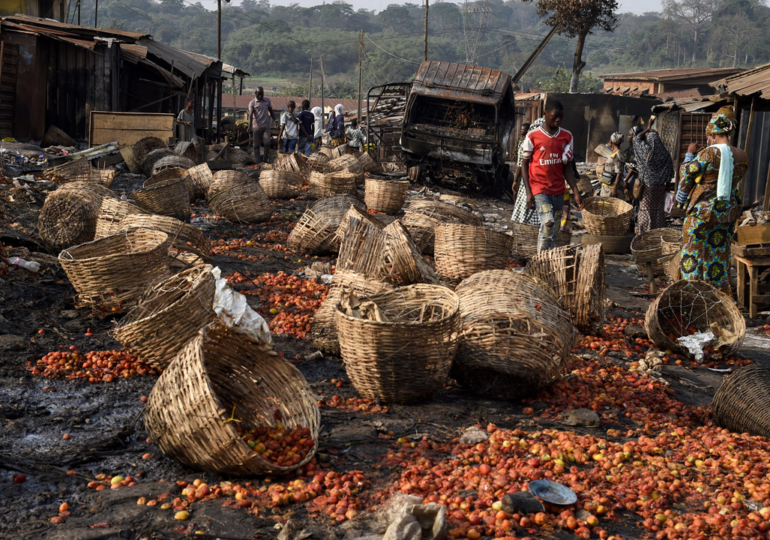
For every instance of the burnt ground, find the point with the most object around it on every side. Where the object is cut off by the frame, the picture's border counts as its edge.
(104, 420)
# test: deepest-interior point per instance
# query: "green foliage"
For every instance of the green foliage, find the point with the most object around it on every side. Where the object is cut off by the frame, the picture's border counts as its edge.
(560, 81)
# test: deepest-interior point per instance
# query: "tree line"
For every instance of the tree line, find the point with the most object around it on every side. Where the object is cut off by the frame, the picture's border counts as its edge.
(280, 41)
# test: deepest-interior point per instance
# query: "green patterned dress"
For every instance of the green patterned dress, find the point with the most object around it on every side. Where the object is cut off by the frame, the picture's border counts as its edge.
(709, 225)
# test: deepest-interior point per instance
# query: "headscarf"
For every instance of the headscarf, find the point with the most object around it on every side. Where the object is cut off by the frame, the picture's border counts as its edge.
(728, 112)
(636, 130)
(319, 122)
(339, 109)
(616, 138)
(536, 124)
(721, 125)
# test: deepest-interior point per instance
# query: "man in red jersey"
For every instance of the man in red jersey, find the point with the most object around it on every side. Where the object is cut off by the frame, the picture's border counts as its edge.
(547, 150)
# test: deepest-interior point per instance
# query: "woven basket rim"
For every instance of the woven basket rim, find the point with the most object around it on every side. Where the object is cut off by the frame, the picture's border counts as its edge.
(622, 206)
(67, 252)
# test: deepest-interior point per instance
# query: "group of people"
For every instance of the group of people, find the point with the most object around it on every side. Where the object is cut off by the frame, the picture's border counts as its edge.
(708, 188)
(299, 131)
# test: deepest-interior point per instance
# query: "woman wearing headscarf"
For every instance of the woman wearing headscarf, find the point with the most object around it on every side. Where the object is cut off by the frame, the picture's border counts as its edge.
(318, 127)
(521, 212)
(336, 126)
(709, 191)
(612, 176)
(656, 169)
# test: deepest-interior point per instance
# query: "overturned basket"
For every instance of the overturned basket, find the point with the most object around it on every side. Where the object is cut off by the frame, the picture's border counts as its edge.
(168, 198)
(340, 202)
(368, 163)
(347, 163)
(647, 249)
(576, 275)
(515, 338)
(316, 232)
(403, 263)
(357, 213)
(168, 315)
(242, 204)
(69, 217)
(224, 180)
(148, 165)
(689, 307)
(525, 239)
(362, 246)
(79, 169)
(224, 372)
(322, 185)
(199, 177)
(146, 145)
(462, 250)
(386, 196)
(742, 402)
(422, 216)
(281, 184)
(168, 174)
(317, 161)
(607, 216)
(186, 149)
(404, 357)
(182, 236)
(117, 268)
(294, 162)
(172, 162)
(111, 212)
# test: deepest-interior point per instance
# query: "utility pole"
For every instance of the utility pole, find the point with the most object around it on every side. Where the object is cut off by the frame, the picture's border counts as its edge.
(360, 71)
(96, 15)
(323, 85)
(219, 29)
(78, 12)
(425, 51)
(310, 90)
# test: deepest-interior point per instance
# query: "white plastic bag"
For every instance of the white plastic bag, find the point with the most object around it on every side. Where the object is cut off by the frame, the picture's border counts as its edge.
(695, 343)
(232, 309)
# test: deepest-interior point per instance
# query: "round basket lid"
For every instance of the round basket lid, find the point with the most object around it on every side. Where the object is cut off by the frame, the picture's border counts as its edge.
(552, 492)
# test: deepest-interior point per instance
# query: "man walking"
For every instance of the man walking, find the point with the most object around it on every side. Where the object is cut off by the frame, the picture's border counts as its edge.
(307, 128)
(260, 120)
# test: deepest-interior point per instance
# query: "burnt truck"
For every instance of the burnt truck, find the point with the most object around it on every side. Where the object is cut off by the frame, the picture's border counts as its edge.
(453, 124)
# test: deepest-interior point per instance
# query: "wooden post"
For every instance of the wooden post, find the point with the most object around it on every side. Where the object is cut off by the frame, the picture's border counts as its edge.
(425, 38)
(96, 14)
(234, 118)
(219, 29)
(360, 72)
(323, 84)
(747, 147)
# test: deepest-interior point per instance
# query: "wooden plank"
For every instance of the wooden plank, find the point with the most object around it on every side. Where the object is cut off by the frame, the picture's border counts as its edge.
(146, 121)
(124, 136)
(760, 299)
(753, 234)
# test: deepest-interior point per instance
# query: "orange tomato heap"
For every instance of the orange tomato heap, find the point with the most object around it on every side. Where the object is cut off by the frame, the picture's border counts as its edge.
(104, 481)
(278, 445)
(96, 366)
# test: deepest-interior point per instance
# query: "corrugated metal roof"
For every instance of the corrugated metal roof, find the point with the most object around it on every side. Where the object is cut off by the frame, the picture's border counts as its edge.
(664, 75)
(751, 82)
(227, 68)
(53, 25)
(190, 64)
(690, 104)
(480, 84)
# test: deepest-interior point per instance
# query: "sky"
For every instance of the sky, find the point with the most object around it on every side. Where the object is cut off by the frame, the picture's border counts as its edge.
(632, 6)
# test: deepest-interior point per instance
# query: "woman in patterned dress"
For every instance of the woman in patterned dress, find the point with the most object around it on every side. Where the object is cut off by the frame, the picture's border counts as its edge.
(612, 175)
(656, 169)
(521, 212)
(709, 189)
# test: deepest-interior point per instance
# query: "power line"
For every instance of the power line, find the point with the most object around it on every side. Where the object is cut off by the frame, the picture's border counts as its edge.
(391, 54)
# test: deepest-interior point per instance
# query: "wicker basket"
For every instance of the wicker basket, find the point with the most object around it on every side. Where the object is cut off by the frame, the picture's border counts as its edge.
(167, 198)
(341, 202)
(362, 247)
(648, 248)
(220, 373)
(576, 275)
(403, 263)
(525, 239)
(127, 152)
(117, 268)
(607, 216)
(386, 196)
(328, 152)
(199, 177)
(369, 165)
(144, 146)
(671, 241)
(168, 315)
(462, 250)
(186, 149)
(323, 327)
(742, 402)
(105, 177)
(240, 158)
(422, 216)
(515, 337)
(242, 204)
(317, 161)
(111, 213)
(357, 213)
(406, 356)
(687, 307)
(224, 180)
(322, 185)
(79, 169)
(281, 184)
(295, 162)
(347, 163)
(316, 232)
(169, 173)
(172, 162)
(585, 187)
(148, 165)
(69, 218)
(93, 187)
(182, 236)
(339, 151)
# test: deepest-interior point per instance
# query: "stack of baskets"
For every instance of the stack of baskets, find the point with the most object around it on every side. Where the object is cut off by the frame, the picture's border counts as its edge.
(167, 197)
(515, 338)
(576, 275)
(742, 402)
(222, 373)
(384, 195)
(525, 239)
(398, 346)
(689, 307)
(422, 216)
(346, 163)
(281, 184)
(647, 248)
(607, 216)
(462, 250)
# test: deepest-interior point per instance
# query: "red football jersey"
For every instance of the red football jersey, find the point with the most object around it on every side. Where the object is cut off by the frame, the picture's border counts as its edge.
(548, 155)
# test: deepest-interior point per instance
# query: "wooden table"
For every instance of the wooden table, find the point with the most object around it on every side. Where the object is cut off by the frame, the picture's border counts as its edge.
(751, 291)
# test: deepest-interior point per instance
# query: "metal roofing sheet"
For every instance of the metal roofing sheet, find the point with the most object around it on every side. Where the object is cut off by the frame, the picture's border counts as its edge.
(191, 64)
(53, 25)
(755, 81)
(477, 83)
(671, 74)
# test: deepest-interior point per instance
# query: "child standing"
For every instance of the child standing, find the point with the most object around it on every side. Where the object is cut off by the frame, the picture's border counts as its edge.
(355, 136)
(289, 134)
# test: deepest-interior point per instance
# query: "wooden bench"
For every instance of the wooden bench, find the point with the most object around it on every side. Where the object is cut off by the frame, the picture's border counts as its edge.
(753, 283)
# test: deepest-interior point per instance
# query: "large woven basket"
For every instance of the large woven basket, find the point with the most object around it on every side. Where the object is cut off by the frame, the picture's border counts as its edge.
(347, 163)
(585, 187)
(328, 152)
(127, 152)
(117, 268)
(98, 189)
(368, 164)
(168, 315)
(224, 180)
(671, 241)
(323, 327)
(357, 213)
(341, 150)
(322, 185)
(406, 356)
(317, 161)
(111, 213)
(403, 263)
(648, 248)
(186, 149)
(462, 250)
(607, 216)
(144, 146)
(79, 169)
(422, 216)
(167, 198)
(281, 184)
(223, 373)
(362, 247)
(168, 174)
(742, 403)
(104, 177)
(294, 162)
(316, 232)
(515, 337)
(242, 204)
(175, 162)
(69, 217)
(688, 307)
(240, 158)
(576, 275)
(341, 202)
(182, 236)
(148, 165)
(525, 239)
(199, 177)
(386, 196)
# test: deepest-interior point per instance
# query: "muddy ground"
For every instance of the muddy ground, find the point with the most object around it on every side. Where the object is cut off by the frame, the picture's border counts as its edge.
(104, 420)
